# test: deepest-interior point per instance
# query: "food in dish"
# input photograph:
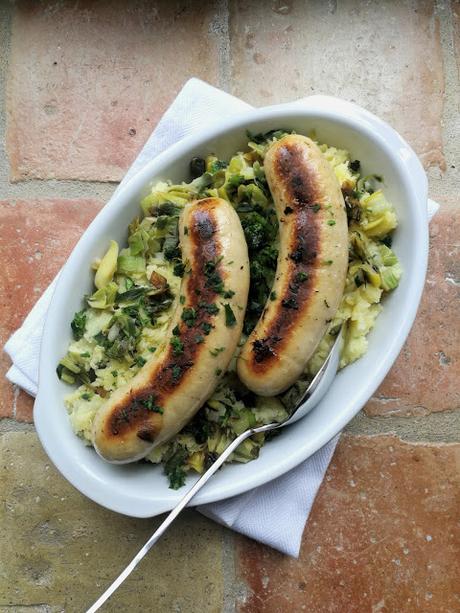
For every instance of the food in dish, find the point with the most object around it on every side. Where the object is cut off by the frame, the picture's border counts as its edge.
(177, 379)
(311, 268)
(114, 339)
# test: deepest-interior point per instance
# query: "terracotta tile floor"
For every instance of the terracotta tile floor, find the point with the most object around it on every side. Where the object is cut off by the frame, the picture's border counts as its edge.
(82, 85)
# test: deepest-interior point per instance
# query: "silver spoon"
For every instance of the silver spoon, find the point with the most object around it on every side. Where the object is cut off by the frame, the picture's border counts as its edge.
(309, 398)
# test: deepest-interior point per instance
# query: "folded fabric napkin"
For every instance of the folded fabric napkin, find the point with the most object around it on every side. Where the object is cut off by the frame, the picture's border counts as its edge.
(274, 513)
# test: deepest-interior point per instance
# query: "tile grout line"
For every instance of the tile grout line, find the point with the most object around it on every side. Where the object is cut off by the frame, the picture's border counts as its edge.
(5, 50)
(440, 182)
(440, 427)
(219, 27)
(450, 119)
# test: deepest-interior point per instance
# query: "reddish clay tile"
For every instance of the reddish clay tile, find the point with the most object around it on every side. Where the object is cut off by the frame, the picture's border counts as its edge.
(385, 56)
(35, 240)
(425, 377)
(89, 81)
(383, 536)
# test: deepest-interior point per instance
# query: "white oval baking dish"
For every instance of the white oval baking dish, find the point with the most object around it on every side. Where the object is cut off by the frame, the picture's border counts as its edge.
(141, 490)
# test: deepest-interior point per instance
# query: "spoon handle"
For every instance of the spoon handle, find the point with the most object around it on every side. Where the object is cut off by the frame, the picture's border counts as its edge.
(175, 512)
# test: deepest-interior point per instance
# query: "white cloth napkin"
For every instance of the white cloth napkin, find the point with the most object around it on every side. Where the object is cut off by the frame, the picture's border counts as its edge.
(276, 512)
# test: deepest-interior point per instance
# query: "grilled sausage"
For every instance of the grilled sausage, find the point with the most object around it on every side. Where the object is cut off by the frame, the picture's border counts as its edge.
(311, 268)
(202, 337)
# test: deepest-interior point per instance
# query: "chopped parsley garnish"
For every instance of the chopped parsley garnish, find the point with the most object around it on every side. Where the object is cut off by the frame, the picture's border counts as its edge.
(213, 278)
(230, 319)
(86, 396)
(150, 404)
(290, 303)
(199, 339)
(206, 327)
(229, 293)
(85, 355)
(315, 207)
(301, 277)
(210, 308)
(189, 317)
(182, 299)
(177, 345)
(176, 372)
(179, 269)
(78, 325)
(298, 254)
(174, 468)
(331, 222)
(273, 295)
(217, 165)
(140, 361)
(152, 349)
(218, 372)
(176, 331)
(114, 373)
(355, 165)
(185, 230)
(215, 352)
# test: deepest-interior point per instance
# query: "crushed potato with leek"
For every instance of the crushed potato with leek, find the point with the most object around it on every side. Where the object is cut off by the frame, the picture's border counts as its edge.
(123, 322)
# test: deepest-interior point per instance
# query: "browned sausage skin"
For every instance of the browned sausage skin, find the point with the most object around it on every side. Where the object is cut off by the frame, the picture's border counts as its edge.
(311, 268)
(169, 389)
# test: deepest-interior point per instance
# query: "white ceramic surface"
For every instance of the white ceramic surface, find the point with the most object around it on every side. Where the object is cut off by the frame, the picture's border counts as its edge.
(142, 490)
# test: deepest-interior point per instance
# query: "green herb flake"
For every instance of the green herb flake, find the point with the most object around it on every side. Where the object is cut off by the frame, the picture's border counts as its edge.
(114, 373)
(176, 331)
(150, 404)
(177, 345)
(140, 361)
(182, 299)
(78, 325)
(185, 230)
(86, 396)
(229, 293)
(213, 278)
(290, 303)
(199, 339)
(273, 295)
(230, 319)
(218, 372)
(210, 308)
(176, 372)
(174, 468)
(189, 317)
(85, 355)
(179, 269)
(331, 222)
(315, 207)
(152, 349)
(301, 277)
(328, 262)
(215, 352)
(206, 327)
